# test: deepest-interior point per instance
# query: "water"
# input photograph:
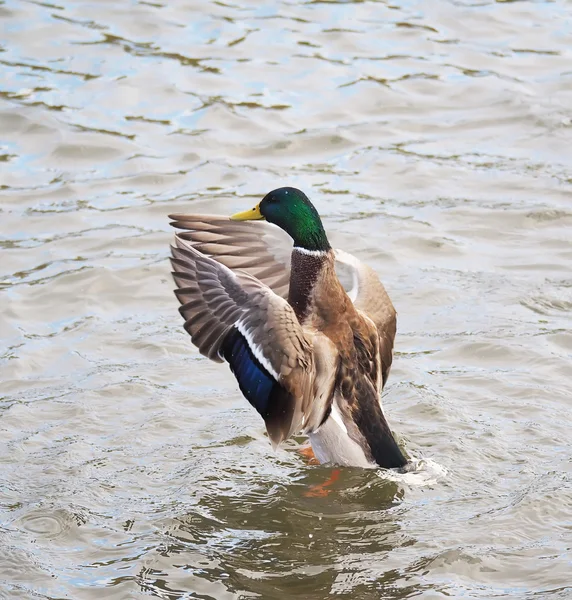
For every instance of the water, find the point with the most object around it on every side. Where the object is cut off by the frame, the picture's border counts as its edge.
(434, 138)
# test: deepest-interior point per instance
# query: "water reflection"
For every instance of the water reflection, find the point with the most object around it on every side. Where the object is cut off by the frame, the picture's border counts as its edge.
(274, 540)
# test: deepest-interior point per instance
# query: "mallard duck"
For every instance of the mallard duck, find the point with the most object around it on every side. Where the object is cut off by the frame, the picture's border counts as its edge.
(309, 354)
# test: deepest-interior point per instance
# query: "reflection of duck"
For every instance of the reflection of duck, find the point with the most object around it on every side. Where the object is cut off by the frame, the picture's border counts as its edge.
(307, 355)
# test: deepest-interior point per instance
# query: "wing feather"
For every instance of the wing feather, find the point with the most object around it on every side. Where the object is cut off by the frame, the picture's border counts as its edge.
(368, 295)
(258, 248)
(218, 305)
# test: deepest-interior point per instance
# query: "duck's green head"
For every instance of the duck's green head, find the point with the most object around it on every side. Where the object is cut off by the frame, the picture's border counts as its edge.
(291, 210)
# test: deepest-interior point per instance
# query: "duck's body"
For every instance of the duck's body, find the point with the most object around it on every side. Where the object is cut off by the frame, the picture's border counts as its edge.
(310, 356)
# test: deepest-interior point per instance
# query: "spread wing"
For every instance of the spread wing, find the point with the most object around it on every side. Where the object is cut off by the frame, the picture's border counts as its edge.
(368, 295)
(256, 247)
(263, 251)
(232, 316)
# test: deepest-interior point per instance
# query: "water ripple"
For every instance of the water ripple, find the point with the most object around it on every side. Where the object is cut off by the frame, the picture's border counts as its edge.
(434, 139)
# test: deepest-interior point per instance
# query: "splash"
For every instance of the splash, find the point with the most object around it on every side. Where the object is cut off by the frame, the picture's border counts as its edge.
(419, 472)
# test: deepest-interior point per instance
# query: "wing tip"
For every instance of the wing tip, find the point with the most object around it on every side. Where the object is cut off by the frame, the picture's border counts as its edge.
(193, 220)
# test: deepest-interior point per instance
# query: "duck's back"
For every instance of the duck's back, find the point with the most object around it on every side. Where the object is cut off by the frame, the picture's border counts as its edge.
(353, 430)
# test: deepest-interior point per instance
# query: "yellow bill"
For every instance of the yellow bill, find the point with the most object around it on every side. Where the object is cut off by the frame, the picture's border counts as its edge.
(248, 215)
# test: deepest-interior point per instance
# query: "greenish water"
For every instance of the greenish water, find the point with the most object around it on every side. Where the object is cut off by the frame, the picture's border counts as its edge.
(434, 137)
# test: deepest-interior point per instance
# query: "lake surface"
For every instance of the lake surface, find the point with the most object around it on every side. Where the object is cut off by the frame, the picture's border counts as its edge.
(435, 138)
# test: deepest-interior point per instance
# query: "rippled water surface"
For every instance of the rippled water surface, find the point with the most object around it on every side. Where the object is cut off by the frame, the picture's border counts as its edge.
(435, 138)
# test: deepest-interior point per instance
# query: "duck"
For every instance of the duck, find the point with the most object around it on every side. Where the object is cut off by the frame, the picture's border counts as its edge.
(307, 331)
